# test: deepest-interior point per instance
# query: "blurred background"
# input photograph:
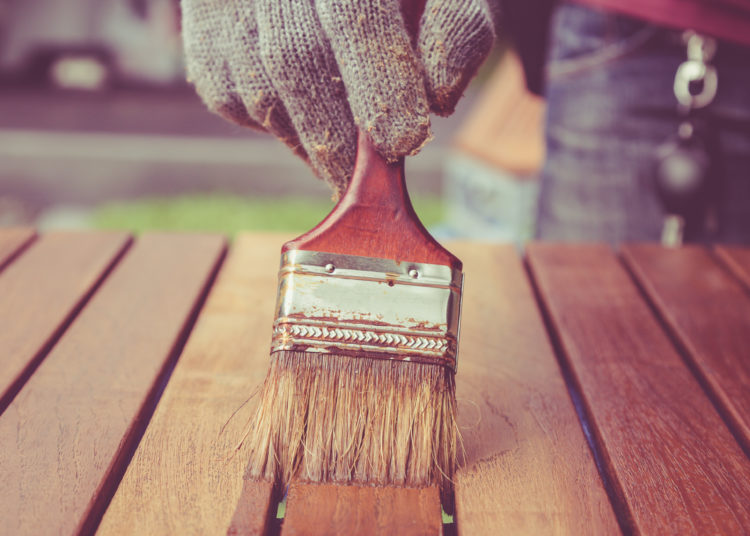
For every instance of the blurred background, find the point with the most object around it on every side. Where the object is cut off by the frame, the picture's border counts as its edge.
(98, 129)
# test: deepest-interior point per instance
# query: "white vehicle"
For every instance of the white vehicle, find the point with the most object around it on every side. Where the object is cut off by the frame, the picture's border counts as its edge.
(91, 43)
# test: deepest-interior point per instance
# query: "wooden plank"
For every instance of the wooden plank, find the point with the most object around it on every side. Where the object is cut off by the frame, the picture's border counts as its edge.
(363, 510)
(66, 437)
(708, 312)
(12, 242)
(42, 291)
(528, 468)
(673, 466)
(737, 260)
(184, 477)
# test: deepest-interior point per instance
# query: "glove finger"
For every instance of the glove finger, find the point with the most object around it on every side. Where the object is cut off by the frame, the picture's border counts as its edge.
(253, 84)
(381, 72)
(206, 42)
(454, 39)
(299, 62)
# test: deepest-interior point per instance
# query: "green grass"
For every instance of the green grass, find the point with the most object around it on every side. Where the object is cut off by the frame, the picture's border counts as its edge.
(229, 214)
(447, 518)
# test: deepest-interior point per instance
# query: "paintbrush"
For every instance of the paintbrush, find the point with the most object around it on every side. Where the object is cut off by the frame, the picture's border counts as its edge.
(361, 381)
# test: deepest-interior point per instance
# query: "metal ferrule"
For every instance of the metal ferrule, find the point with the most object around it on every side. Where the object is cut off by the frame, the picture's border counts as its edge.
(368, 307)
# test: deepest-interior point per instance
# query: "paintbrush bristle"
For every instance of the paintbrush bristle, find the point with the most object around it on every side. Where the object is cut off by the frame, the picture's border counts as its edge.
(343, 419)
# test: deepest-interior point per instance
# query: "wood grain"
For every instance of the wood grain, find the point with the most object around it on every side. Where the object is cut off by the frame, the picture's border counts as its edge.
(42, 291)
(375, 218)
(528, 468)
(12, 241)
(673, 465)
(737, 260)
(708, 311)
(184, 477)
(320, 509)
(65, 438)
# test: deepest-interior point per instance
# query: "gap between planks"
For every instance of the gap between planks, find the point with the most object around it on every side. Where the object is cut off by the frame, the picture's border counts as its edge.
(737, 260)
(13, 241)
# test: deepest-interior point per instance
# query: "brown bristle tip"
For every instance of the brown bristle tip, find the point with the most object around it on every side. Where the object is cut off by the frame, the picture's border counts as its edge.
(354, 420)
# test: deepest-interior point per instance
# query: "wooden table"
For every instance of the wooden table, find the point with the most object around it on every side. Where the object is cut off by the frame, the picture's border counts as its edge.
(600, 392)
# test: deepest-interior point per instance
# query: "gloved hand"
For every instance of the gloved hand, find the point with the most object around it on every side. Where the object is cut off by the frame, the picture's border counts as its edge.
(313, 71)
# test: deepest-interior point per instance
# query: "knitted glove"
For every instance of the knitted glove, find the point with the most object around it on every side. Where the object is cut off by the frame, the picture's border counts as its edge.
(313, 71)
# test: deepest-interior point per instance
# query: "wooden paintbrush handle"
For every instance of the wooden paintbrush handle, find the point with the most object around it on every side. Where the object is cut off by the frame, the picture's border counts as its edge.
(375, 217)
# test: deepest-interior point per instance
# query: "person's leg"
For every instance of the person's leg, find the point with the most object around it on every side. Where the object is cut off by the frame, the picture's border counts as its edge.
(610, 104)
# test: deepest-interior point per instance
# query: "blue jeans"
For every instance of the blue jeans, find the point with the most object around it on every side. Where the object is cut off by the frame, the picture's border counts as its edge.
(610, 103)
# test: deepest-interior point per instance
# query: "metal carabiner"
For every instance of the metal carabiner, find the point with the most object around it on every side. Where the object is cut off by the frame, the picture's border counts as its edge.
(690, 72)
